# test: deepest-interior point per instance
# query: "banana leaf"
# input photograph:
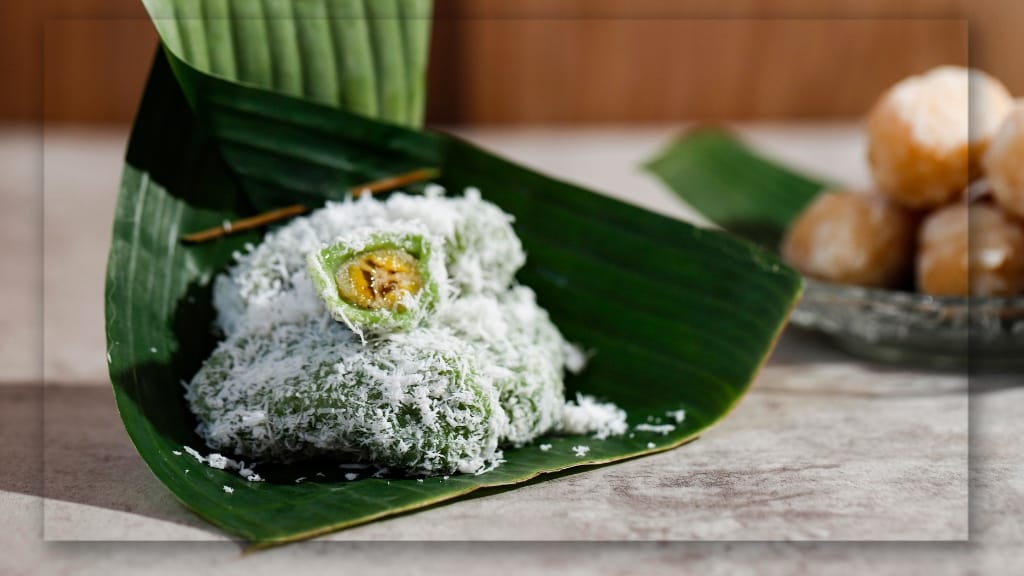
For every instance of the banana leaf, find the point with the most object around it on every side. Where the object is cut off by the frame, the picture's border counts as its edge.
(367, 57)
(733, 186)
(677, 317)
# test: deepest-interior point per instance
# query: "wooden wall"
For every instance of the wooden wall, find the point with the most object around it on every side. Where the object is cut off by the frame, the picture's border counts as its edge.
(565, 61)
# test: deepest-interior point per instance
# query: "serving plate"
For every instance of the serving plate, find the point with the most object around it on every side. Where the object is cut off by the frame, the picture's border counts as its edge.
(907, 327)
(755, 198)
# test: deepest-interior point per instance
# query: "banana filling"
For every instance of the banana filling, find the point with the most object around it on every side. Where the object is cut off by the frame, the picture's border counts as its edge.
(379, 279)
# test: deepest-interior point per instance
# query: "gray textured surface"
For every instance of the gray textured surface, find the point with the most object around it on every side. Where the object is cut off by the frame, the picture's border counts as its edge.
(824, 447)
(142, 509)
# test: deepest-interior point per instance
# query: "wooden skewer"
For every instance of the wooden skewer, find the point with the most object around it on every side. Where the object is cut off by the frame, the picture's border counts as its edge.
(279, 214)
(393, 182)
(245, 224)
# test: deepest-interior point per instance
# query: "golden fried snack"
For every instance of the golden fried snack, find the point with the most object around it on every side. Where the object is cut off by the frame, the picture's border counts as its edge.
(1004, 163)
(990, 263)
(942, 259)
(927, 132)
(852, 238)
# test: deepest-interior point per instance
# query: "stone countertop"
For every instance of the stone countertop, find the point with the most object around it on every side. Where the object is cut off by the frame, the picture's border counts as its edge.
(825, 446)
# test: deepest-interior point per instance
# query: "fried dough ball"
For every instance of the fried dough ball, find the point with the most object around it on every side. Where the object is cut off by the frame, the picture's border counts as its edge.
(990, 105)
(977, 250)
(1004, 163)
(942, 260)
(852, 238)
(925, 140)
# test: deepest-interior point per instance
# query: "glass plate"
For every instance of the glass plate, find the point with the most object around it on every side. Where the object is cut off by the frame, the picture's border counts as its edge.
(907, 327)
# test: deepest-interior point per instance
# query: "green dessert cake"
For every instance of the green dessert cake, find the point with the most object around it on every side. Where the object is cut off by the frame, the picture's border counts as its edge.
(388, 332)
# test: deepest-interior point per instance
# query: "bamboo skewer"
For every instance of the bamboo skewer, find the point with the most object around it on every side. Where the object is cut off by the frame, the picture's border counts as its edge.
(279, 214)
(393, 182)
(245, 224)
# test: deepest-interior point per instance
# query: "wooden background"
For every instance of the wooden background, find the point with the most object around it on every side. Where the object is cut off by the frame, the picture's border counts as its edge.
(565, 61)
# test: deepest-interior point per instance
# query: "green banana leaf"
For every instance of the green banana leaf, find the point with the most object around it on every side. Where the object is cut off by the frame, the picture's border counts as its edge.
(369, 57)
(677, 317)
(733, 186)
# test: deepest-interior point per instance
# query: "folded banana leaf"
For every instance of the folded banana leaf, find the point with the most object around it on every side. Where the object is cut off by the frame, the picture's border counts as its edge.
(733, 186)
(366, 57)
(677, 317)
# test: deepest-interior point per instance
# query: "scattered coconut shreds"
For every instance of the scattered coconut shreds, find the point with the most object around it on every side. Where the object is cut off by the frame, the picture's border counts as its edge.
(195, 454)
(351, 476)
(576, 358)
(220, 462)
(662, 429)
(248, 473)
(677, 415)
(545, 447)
(229, 489)
(581, 450)
(588, 416)
(498, 460)
(651, 445)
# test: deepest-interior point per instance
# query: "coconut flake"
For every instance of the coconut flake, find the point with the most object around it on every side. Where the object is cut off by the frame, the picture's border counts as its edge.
(195, 454)
(677, 415)
(588, 416)
(662, 429)
(220, 462)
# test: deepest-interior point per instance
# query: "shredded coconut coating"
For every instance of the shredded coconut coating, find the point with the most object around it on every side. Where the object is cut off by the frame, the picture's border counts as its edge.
(413, 400)
(483, 251)
(521, 351)
(480, 369)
